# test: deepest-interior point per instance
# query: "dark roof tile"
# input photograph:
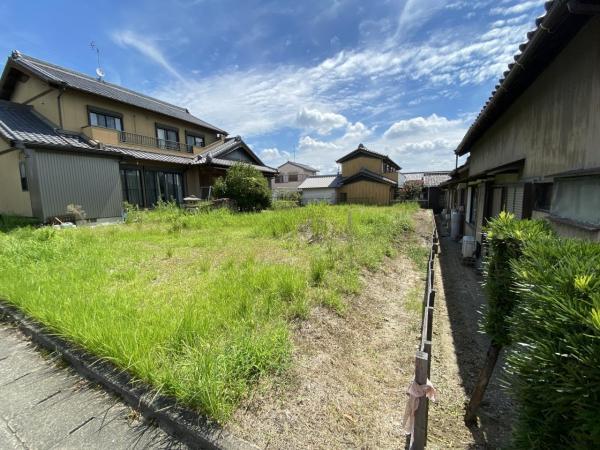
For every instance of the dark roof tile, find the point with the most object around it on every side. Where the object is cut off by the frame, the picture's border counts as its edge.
(82, 82)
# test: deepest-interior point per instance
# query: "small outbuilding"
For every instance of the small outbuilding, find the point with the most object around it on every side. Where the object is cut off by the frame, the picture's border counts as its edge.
(320, 188)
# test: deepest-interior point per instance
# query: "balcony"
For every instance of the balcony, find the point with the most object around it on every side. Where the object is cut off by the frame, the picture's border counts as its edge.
(147, 141)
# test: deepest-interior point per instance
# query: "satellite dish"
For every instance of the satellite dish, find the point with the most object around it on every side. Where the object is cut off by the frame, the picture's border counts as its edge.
(100, 72)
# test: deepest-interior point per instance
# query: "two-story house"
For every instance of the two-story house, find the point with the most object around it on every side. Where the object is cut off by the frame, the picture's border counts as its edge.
(68, 138)
(367, 177)
(534, 150)
(290, 175)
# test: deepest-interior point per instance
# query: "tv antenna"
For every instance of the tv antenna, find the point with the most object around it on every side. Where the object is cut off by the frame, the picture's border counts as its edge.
(99, 70)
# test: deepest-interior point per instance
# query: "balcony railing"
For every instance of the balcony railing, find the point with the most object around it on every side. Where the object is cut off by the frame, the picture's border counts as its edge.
(147, 141)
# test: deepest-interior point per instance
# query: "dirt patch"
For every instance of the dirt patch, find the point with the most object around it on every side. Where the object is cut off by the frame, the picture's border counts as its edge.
(345, 388)
(459, 350)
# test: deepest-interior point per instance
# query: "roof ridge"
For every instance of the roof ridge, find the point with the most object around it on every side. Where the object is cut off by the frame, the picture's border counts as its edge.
(37, 61)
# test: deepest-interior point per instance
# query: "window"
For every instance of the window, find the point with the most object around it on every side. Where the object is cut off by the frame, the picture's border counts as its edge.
(132, 186)
(167, 137)
(193, 140)
(292, 177)
(279, 179)
(472, 204)
(542, 194)
(23, 174)
(577, 199)
(105, 119)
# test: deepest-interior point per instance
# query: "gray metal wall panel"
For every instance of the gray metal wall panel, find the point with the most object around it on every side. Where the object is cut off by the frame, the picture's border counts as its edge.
(72, 178)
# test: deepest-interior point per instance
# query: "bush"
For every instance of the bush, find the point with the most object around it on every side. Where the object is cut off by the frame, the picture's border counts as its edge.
(506, 237)
(246, 186)
(555, 360)
(283, 204)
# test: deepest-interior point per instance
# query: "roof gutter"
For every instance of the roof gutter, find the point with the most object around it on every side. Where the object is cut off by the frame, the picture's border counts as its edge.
(546, 25)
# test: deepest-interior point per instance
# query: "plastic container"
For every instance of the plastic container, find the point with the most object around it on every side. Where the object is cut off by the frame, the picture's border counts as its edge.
(469, 246)
(455, 224)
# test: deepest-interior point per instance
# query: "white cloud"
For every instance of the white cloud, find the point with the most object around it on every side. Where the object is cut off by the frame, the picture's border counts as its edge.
(430, 124)
(372, 82)
(518, 8)
(147, 47)
(270, 154)
(322, 122)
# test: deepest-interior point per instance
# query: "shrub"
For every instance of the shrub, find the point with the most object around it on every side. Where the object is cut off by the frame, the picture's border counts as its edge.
(506, 237)
(246, 186)
(555, 360)
(283, 204)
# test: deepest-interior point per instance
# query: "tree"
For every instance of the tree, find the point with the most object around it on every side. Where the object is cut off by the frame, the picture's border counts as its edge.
(411, 190)
(246, 186)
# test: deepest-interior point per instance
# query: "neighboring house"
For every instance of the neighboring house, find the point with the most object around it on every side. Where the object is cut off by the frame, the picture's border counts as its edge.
(368, 177)
(534, 148)
(431, 195)
(290, 175)
(320, 188)
(68, 138)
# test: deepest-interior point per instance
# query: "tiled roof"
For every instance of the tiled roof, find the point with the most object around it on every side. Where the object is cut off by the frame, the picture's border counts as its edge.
(21, 123)
(82, 82)
(553, 30)
(302, 166)
(361, 149)
(229, 163)
(366, 174)
(221, 148)
(412, 176)
(429, 179)
(321, 181)
(149, 156)
(435, 179)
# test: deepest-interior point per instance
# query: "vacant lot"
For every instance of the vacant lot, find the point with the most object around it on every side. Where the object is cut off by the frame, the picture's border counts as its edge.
(200, 305)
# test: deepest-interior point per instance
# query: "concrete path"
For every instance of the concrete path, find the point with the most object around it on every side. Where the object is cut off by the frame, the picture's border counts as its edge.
(44, 405)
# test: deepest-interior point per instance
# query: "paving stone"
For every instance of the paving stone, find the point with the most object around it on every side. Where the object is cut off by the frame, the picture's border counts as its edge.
(44, 405)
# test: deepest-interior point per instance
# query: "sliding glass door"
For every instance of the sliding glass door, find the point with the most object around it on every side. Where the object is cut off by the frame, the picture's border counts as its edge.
(156, 185)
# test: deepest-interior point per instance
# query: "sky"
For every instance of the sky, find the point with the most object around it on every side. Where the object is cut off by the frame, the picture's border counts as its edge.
(306, 80)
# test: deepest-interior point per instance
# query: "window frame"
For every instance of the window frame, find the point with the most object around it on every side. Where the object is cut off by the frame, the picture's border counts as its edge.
(546, 207)
(194, 135)
(107, 113)
(167, 128)
(472, 193)
(23, 176)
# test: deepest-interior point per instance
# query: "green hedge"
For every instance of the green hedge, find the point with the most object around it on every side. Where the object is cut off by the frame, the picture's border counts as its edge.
(506, 238)
(555, 358)
(544, 300)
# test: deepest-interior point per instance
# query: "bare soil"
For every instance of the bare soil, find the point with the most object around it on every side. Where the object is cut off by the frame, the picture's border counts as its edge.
(345, 387)
(459, 349)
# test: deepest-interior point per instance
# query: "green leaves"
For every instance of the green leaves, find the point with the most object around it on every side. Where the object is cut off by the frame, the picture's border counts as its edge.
(246, 186)
(553, 288)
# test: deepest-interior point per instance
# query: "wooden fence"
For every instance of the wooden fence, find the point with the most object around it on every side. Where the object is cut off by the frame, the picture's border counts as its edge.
(423, 356)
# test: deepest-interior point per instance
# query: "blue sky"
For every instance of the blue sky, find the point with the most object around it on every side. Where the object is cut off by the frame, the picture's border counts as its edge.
(311, 78)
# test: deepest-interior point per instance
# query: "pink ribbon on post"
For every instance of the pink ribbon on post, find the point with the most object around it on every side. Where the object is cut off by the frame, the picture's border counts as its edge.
(415, 392)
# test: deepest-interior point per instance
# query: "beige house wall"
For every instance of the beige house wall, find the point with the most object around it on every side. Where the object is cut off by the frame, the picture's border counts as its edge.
(367, 192)
(555, 124)
(354, 165)
(46, 104)
(74, 109)
(13, 200)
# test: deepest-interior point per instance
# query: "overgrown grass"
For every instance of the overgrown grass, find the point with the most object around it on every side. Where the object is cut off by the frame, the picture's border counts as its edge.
(197, 305)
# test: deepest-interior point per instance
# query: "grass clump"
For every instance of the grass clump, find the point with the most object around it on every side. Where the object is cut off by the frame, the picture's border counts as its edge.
(198, 305)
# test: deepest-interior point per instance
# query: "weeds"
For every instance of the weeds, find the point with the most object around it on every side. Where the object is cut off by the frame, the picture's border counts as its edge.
(197, 304)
